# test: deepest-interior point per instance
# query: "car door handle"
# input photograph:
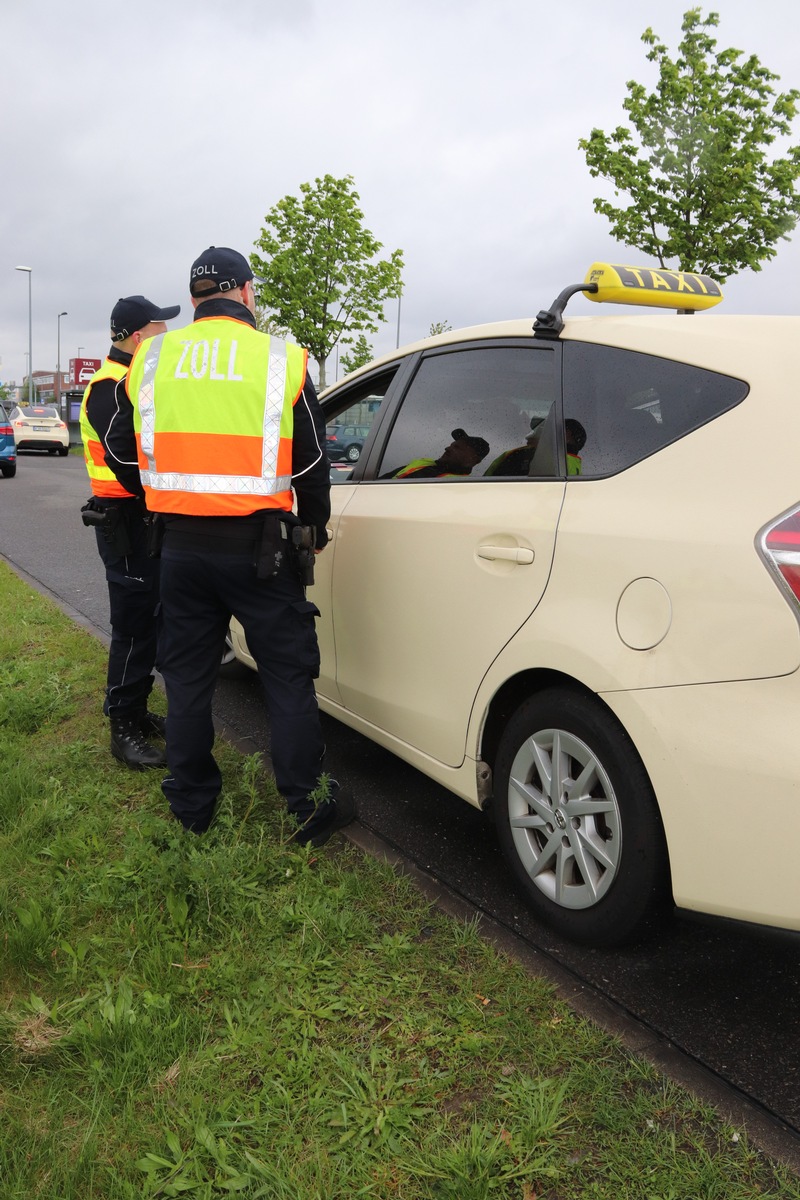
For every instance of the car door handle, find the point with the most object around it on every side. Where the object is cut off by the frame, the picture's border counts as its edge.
(516, 554)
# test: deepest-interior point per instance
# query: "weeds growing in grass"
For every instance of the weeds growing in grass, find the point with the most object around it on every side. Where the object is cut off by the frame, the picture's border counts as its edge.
(237, 1015)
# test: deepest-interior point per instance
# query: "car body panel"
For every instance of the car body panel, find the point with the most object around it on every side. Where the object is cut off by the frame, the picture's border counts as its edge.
(720, 754)
(480, 601)
(8, 446)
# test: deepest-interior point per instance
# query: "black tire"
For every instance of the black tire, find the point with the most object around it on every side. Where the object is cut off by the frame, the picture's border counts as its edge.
(599, 877)
(63, 451)
(9, 470)
(353, 453)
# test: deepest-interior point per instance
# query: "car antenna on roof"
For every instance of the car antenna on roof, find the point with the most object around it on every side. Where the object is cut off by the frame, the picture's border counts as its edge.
(550, 321)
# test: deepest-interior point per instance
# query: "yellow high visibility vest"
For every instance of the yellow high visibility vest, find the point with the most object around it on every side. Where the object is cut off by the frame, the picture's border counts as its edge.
(104, 482)
(417, 463)
(213, 408)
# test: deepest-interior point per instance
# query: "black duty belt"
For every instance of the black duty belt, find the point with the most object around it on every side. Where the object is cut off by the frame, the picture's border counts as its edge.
(216, 543)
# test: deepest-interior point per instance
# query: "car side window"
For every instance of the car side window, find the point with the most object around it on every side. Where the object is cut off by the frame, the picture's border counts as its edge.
(624, 406)
(475, 413)
(349, 417)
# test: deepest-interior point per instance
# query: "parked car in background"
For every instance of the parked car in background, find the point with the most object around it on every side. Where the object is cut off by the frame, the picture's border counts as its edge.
(345, 442)
(8, 449)
(590, 621)
(39, 427)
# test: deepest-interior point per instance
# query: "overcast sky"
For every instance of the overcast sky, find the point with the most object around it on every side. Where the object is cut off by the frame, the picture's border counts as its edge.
(132, 137)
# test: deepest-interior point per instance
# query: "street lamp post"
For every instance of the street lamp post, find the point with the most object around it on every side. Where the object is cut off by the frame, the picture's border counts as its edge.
(58, 363)
(30, 332)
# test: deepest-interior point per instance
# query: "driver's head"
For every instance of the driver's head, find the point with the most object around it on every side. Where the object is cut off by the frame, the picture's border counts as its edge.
(463, 453)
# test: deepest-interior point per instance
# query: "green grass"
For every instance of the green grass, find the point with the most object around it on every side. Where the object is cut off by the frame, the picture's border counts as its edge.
(236, 1016)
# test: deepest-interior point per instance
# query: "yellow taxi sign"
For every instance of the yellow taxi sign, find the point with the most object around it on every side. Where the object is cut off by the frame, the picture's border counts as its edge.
(653, 287)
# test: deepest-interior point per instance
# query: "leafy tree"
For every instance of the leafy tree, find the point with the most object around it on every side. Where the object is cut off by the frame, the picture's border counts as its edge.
(266, 323)
(5, 394)
(360, 355)
(439, 327)
(701, 187)
(322, 280)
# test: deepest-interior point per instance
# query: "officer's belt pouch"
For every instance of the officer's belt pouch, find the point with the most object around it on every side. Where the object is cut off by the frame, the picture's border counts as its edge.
(115, 529)
(271, 549)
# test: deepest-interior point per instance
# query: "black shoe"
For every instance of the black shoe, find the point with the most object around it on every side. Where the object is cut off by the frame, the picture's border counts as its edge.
(319, 831)
(152, 725)
(131, 747)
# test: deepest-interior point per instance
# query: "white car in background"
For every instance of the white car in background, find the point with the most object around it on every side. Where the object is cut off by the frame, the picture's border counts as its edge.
(592, 621)
(39, 427)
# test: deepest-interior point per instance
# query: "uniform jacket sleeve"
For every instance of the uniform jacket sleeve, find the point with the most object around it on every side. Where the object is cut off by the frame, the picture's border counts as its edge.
(310, 467)
(120, 440)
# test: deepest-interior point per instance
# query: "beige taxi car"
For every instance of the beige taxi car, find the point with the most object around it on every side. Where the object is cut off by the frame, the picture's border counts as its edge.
(564, 581)
(39, 427)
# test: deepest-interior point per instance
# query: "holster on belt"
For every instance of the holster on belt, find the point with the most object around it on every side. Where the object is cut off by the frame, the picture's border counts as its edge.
(112, 521)
(282, 536)
(304, 539)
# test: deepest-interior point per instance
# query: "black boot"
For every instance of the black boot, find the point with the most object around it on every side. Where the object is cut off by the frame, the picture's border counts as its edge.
(131, 747)
(152, 724)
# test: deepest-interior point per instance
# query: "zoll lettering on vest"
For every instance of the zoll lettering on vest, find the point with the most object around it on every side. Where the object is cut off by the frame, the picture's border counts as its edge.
(201, 359)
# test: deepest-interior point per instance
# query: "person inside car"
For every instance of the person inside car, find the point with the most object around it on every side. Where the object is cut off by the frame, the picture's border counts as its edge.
(459, 458)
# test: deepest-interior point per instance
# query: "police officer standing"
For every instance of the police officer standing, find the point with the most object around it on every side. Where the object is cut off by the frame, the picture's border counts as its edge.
(120, 523)
(227, 431)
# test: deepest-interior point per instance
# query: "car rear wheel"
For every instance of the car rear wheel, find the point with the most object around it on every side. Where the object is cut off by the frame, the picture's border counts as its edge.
(577, 820)
(353, 453)
(64, 451)
(9, 470)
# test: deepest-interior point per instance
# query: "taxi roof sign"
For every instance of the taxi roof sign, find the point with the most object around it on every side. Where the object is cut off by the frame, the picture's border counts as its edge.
(653, 287)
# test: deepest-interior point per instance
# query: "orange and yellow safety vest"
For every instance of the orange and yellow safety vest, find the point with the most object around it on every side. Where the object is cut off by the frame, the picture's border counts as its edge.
(104, 482)
(213, 412)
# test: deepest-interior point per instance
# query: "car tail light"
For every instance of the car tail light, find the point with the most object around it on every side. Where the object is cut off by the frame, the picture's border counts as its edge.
(6, 429)
(779, 546)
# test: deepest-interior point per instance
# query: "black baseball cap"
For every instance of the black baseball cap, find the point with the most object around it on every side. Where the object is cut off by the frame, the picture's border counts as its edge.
(478, 444)
(134, 312)
(220, 266)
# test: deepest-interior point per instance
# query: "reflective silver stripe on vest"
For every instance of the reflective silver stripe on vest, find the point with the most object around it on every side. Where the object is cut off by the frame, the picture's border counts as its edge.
(233, 485)
(146, 399)
(273, 409)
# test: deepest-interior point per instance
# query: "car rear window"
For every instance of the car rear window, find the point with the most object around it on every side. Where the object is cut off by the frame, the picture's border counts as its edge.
(38, 412)
(631, 405)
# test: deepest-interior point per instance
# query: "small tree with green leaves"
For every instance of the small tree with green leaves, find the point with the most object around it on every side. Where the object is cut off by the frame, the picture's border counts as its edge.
(439, 327)
(702, 189)
(359, 356)
(323, 280)
(266, 323)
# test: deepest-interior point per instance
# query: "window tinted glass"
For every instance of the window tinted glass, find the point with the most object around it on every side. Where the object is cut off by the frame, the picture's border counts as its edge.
(350, 415)
(472, 414)
(627, 406)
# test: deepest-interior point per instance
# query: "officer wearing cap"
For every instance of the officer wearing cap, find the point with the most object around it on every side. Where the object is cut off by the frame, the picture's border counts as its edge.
(228, 434)
(119, 520)
(463, 453)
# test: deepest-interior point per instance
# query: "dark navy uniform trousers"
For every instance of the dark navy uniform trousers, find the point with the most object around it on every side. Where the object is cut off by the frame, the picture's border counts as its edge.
(200, 589)
(133, 593)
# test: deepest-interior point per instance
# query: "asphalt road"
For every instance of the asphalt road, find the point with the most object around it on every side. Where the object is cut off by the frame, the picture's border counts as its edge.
(727, 997)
